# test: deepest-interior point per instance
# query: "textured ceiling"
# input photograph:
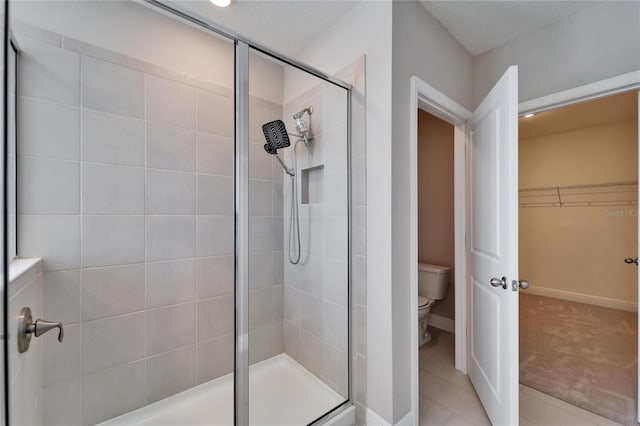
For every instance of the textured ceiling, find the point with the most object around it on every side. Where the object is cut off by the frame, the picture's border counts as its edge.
(284, 26)
(483, 25)
(602, 111)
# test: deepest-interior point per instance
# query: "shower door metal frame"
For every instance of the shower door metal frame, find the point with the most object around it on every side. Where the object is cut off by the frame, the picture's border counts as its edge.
(242, 48)
(4, 36)
(241, 197)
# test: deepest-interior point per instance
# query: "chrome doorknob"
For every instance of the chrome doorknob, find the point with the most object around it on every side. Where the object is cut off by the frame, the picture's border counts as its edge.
(524, 284)
(497, 282)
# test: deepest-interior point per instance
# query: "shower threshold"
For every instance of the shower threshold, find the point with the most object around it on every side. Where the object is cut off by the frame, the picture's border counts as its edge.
(281, 392)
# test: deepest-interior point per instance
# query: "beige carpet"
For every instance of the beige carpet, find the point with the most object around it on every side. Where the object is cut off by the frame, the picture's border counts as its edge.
(583, 354)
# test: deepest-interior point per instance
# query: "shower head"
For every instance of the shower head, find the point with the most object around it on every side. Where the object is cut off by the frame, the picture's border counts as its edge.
(303, 128)
(275, 133)
(276, 136)
(299, 114)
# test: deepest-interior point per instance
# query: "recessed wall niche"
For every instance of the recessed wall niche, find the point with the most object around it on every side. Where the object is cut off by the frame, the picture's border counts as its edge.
(312, 185)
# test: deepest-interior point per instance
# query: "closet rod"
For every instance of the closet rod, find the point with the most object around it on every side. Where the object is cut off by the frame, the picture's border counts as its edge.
(585, 195)
(584, 186)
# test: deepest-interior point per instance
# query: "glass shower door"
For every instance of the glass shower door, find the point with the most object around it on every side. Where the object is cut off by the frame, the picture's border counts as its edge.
(298, 244)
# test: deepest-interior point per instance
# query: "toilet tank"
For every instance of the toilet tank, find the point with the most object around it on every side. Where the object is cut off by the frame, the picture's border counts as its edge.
(433, 280)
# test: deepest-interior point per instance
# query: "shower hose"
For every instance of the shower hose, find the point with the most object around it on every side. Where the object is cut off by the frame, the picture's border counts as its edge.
(294, 221)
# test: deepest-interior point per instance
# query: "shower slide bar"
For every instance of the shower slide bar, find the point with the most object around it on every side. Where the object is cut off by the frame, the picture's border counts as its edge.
(590, 195)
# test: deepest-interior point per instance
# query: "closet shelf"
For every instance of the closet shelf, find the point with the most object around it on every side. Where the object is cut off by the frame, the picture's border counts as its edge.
(601, 194)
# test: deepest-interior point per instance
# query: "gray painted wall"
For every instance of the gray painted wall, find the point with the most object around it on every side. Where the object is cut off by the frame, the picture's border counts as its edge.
(598, 43)
(422, 47)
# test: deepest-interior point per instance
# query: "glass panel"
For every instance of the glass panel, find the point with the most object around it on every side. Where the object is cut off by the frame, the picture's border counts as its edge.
(126, 152)
(298, 273)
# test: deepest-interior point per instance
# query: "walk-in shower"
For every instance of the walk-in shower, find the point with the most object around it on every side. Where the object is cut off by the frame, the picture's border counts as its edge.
(197, 279)
(277, 137)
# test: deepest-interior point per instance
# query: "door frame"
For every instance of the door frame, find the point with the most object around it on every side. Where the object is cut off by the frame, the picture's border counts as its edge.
(598, 89)
(427, 98)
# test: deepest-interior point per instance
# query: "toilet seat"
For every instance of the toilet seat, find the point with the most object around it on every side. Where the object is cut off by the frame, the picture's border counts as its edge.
(423, 302)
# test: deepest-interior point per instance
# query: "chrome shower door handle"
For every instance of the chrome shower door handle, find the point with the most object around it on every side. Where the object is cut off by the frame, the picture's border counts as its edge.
(27, 328)
(497, 282)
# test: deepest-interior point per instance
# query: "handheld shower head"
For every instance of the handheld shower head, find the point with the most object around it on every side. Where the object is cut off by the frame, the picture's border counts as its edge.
(275, 133)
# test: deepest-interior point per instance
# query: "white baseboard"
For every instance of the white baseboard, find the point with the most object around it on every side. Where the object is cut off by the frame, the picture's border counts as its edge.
(443, 323)
(583, 298)
(407, 420)
(373, 419)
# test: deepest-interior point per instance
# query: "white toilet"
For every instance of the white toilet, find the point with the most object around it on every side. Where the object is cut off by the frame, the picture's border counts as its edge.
(433, 281)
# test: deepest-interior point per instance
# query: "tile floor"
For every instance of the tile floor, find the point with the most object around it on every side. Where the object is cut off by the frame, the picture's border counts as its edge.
(447, 396)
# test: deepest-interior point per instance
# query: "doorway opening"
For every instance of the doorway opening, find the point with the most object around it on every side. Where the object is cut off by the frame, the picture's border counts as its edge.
(431, 100)
(446, 394)
(578, 242)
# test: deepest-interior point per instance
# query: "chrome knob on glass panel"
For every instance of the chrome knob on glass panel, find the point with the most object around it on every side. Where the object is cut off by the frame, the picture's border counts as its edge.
(27, 328)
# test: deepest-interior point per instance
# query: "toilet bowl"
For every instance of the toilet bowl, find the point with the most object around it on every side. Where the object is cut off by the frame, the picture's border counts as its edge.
(433, 282)
(424, 311)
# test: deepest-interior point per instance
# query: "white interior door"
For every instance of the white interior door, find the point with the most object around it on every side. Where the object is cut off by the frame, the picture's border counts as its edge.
(637, 254)
(492, 167)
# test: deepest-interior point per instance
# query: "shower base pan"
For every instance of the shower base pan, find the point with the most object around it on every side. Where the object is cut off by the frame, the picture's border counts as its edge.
(281, 393)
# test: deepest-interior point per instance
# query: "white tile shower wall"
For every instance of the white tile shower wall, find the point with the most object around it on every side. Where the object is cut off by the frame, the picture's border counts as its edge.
(316, 290)
(126, 193)
(26, 369)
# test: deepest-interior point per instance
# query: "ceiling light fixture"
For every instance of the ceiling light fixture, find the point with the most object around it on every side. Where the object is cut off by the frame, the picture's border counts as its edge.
(529, 115)
(221, 3)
